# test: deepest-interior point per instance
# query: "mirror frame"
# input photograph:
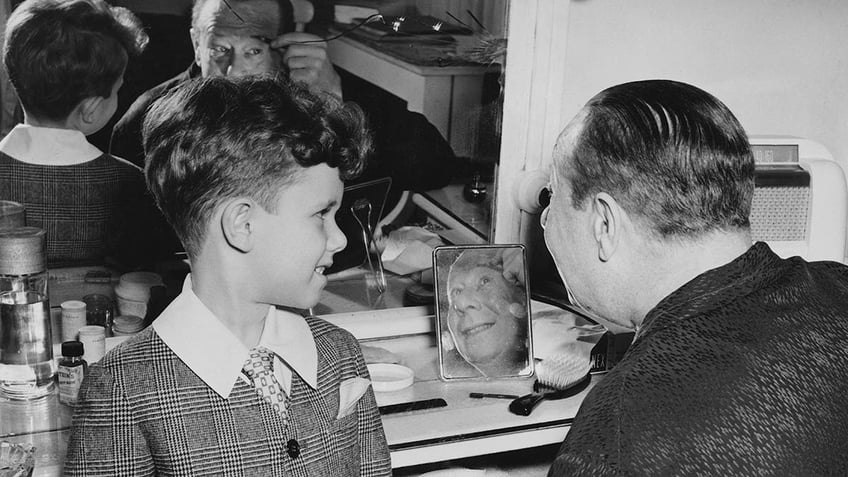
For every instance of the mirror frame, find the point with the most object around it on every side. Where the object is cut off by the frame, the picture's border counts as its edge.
(533, 92)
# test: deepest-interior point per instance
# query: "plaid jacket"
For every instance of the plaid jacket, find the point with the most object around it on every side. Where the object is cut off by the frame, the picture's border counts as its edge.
(142, 411)
(90, 211)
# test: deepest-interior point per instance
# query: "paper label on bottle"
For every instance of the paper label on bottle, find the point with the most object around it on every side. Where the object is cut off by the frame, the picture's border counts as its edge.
(72, 321)
(70, 379)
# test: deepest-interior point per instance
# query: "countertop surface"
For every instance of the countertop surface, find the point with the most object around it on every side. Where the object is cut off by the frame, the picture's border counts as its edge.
(464, 427)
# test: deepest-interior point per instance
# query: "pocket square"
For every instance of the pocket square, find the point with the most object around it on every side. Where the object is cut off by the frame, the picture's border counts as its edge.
(350, 391)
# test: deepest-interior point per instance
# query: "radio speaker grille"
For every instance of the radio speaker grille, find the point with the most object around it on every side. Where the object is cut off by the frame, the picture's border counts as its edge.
(780, 213)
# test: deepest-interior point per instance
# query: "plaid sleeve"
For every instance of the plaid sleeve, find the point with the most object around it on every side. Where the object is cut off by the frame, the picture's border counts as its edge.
(374, 458)
(105, 439)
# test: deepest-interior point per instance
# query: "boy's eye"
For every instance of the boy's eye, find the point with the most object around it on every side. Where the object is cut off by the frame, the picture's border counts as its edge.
(485, 281)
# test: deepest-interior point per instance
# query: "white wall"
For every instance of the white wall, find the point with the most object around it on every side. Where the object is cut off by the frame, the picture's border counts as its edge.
(780, 65)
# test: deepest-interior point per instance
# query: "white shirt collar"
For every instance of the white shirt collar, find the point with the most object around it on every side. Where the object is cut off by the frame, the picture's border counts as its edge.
(206, 346)
(48, 146)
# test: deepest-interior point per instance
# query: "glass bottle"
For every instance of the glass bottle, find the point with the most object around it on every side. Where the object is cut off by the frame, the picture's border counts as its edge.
(27, 369)
(72, 369)
(475, 189)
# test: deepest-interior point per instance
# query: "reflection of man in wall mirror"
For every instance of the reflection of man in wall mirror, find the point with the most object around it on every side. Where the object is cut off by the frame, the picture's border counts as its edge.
(242, 37)
(738, 365)
(487, 316)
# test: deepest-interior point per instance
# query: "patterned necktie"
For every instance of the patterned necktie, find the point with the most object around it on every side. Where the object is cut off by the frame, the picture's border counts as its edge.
(259, 367)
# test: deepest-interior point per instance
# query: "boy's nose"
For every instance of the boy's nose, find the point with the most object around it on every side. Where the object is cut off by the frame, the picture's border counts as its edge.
(336, 239)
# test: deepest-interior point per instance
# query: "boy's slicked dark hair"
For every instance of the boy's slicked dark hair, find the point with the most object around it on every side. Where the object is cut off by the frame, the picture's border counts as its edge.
(216, 138)
(59, 52)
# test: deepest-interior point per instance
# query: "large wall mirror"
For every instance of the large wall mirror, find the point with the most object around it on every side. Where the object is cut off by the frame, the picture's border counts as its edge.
(487, 74)
(446, 61)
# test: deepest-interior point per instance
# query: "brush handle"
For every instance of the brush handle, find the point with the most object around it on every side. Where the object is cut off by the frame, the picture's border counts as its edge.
(524, 405)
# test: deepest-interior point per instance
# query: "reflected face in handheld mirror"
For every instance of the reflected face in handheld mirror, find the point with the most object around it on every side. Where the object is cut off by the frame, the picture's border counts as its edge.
(234, 39)
(485, 314)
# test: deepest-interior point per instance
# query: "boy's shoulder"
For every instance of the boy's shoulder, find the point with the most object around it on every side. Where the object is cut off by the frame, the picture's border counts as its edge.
(141, 349)
(330, 336)
(323, 328)
(109, 169)
(120, 164)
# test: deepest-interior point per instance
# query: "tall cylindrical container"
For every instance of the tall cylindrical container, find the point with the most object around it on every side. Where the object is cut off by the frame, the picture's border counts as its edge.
(27, 368)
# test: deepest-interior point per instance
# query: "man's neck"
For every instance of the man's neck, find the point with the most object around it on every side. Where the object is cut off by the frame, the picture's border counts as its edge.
(674, 263)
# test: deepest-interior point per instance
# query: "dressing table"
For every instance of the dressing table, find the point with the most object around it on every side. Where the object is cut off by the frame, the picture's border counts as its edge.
(465, 427)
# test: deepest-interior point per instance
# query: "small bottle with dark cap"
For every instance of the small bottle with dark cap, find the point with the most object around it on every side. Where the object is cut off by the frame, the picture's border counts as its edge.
(71, 371)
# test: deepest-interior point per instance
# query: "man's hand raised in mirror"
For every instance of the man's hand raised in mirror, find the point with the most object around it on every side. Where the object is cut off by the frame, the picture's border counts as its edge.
(305, 56)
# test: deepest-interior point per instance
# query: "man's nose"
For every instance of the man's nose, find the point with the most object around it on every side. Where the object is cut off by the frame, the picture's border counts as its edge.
(238, 66)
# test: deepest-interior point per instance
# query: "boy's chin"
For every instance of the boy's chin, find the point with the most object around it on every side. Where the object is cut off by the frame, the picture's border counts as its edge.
(306, 296)
(306, 301)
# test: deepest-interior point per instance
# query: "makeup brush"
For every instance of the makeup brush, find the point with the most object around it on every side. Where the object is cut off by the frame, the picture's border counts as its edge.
(557, 376)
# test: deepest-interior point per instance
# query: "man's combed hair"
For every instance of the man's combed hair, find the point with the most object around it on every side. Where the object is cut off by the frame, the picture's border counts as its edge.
(668, 152)
(216, 138)
(59, 52)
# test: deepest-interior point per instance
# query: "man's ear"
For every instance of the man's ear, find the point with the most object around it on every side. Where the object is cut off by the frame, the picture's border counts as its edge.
(237, 225)
(607, 220)
(195, 41)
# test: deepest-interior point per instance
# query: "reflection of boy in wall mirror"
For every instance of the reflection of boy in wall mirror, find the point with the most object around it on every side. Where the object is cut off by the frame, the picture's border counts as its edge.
(487, 320)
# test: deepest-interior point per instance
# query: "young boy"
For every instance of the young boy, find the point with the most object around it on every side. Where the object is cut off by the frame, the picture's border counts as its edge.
(66, 59)
(249, 173)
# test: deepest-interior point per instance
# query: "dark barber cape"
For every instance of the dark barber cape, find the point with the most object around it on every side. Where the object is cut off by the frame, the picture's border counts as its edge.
(407, 147)
(742, 371)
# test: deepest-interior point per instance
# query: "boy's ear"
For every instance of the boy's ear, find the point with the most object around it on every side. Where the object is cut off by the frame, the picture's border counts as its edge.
(236, 223)
(89, 108)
